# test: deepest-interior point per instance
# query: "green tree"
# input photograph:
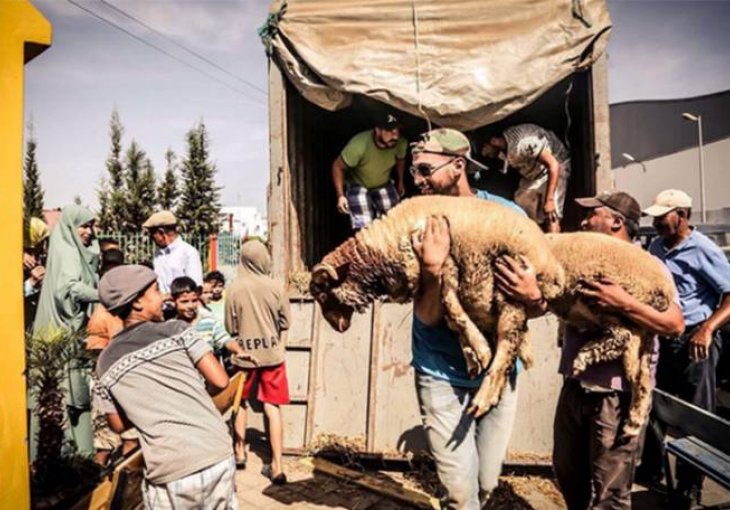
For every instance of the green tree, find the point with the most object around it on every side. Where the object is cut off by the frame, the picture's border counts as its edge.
(115, 213)
(199, 208)
(32, 190)
(167, 192)
(139, 181)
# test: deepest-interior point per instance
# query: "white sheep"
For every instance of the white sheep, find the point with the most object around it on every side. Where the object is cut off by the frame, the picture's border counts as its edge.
(587, 256)
(379, 261)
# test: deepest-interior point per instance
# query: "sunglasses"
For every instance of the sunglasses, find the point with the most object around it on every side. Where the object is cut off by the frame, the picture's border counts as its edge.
(426, 170)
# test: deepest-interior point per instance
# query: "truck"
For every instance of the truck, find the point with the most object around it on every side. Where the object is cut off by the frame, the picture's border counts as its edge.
(473, 66)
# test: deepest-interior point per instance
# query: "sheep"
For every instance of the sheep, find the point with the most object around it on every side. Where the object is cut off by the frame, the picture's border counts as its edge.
(587, 256)
(379, 261)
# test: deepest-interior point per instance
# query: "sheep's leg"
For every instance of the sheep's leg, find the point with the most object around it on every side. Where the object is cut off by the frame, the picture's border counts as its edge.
(637, 361)
(473, 367)
(609, 346)
(459, 321)
(511, 332)
(524, 352)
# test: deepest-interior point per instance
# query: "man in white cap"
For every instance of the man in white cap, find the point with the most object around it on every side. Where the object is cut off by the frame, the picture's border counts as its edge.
(175, 257)
(702, 274)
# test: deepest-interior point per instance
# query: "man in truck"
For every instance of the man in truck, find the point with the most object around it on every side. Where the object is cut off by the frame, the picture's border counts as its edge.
(361, 173)
(544, 164)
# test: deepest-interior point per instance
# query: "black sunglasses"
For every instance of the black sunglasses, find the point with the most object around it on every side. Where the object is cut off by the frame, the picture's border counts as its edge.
(426, 170)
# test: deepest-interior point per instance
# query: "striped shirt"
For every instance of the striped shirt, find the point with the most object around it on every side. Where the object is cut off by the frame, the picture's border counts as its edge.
(211, 330)
(525, 143)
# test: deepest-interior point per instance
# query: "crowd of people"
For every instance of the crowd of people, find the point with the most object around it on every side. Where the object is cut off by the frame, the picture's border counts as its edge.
(167, 337)
(164, 339)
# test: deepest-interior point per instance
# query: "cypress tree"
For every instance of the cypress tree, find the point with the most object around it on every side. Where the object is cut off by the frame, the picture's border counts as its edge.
(199, 209)
(32, 190)
(167, 192)
(139, 180)
(115, 212)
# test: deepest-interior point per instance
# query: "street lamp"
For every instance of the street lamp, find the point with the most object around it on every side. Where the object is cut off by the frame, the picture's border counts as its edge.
(698, 119)
(631, 159)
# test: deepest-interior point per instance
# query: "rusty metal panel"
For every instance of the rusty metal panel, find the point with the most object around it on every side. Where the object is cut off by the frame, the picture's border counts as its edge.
(397, 421)
(340, 396)
(300, 332)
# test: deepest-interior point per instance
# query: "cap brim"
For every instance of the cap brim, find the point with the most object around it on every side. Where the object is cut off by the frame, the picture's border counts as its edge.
(479, 166)
(589, 202)
(657, 210)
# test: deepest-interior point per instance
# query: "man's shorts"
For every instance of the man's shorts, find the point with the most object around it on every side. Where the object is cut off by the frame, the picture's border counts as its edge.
(367, 204)
(530, 194)
(273, 384)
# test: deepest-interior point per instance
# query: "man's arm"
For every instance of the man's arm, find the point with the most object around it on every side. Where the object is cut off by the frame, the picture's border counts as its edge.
(400, 172)
(194, 267)
(699, 344)
(432, 248)
(338, 179)
(118, 422)
(553, 169)
(213, 372)
(612, 297)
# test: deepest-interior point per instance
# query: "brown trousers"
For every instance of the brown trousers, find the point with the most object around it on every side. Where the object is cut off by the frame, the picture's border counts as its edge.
(594, 468)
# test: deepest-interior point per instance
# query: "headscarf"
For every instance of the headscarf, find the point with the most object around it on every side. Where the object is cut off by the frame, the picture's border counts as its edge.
(69, 287)
(255, 258)
(37, 232)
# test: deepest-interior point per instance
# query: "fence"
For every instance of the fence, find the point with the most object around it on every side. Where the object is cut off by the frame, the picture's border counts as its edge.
(217, 251)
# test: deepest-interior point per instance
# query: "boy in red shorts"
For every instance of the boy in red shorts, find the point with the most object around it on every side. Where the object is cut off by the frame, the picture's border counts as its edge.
(257, 316)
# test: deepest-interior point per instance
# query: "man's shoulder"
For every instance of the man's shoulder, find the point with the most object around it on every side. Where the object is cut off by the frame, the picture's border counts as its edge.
(485, 195)
(360, 140)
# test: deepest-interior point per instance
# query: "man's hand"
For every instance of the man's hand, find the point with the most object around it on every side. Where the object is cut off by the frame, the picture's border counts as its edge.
(606, 294)
(517, 279)
(243, 356)
(342, 206)
(548, 209)
(29, 261)
(432, 245)
(36, 275)
(699, 344)
(400, 188)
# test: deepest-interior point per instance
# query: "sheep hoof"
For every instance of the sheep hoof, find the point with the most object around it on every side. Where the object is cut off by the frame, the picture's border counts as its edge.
(480, 404)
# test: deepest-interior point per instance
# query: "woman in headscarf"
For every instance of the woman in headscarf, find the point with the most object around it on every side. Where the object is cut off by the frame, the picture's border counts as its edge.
(69, 287)
(67, 298)
(34, 255)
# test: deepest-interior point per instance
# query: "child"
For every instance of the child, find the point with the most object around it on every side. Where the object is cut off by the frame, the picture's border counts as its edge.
(189, 308)
(217, 283)
(150, 378)
(257, 315)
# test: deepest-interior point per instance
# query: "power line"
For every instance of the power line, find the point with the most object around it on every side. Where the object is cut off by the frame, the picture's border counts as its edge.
(164, 52)
(185, 48)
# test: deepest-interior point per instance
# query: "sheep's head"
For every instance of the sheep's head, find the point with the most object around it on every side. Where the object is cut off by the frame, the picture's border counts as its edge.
(326, 288)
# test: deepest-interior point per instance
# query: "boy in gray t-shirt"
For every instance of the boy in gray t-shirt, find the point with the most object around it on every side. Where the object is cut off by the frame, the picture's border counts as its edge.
(153, 376)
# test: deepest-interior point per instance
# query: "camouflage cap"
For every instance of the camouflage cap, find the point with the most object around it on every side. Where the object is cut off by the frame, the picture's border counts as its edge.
(449, 142)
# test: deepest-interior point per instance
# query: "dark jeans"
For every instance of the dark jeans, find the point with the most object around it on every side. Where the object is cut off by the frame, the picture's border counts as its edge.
(692, 381)
(594, 468)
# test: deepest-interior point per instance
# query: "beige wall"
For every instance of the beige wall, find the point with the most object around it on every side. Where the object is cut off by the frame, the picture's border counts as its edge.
(681, 170)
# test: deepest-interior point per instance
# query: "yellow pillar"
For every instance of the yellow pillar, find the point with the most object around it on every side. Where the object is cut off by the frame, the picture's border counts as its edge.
(24, 34)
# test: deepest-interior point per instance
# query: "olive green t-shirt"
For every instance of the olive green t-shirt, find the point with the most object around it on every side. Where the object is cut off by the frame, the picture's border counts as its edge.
(369, 165)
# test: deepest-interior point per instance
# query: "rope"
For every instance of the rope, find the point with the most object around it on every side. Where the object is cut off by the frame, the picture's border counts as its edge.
(566, 109)
(418, 64)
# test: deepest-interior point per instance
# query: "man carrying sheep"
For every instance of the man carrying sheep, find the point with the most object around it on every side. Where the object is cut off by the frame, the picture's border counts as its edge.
(544, 164)
(361, 173)
(594, 464)
(468, 452)
(701, 271)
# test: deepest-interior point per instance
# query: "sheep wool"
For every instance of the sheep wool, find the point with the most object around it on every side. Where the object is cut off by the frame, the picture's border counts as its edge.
(379, 261)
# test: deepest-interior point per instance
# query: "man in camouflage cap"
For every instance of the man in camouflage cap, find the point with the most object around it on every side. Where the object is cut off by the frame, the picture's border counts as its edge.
(469, 467)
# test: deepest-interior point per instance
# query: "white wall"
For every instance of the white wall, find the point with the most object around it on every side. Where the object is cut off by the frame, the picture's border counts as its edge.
(681, 170)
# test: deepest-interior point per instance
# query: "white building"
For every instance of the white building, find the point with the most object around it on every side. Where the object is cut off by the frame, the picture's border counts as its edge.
(244, 221)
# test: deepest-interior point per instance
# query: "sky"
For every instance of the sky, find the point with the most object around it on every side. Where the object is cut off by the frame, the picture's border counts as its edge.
(658, 50)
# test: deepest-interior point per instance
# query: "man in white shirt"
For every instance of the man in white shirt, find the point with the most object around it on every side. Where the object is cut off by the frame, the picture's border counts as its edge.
(175, 257)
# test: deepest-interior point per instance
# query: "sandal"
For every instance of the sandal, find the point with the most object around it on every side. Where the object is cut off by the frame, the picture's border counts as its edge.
(279, 479)
(241, 463)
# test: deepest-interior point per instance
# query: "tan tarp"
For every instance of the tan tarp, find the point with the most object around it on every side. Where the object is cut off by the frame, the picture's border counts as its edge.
(480, 60)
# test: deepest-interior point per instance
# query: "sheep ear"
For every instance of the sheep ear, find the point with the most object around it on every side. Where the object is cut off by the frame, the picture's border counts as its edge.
(324, 274)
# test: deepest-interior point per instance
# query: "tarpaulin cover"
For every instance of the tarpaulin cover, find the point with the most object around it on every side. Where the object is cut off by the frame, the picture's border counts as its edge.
(467, 63)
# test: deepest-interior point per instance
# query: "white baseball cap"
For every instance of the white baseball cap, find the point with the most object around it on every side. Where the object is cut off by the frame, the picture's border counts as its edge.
(667, 201)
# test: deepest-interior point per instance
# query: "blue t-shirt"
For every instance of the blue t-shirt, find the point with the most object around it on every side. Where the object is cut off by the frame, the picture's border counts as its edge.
(701, 273)
(436, 349)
